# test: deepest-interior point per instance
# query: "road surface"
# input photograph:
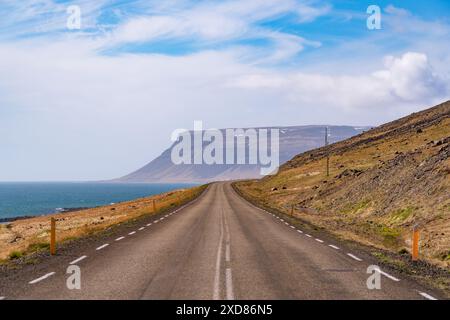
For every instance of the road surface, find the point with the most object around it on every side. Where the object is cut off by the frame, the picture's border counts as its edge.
(218, 247)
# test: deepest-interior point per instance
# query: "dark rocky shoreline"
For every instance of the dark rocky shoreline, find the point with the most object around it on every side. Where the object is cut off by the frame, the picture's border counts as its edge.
(62, 210)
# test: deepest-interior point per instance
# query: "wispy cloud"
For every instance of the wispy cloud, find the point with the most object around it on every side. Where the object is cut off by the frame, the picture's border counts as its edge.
(217, 22)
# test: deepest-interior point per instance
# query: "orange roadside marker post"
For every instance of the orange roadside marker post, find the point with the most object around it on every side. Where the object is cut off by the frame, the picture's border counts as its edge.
(154, 205)
(52, 236)
(415, 243)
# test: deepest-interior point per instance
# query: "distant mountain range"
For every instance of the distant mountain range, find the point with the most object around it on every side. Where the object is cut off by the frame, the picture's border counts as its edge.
(293, 140)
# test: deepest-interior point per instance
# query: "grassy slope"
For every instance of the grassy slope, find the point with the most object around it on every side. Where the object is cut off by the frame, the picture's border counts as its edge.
(30, 235)
(381, 183)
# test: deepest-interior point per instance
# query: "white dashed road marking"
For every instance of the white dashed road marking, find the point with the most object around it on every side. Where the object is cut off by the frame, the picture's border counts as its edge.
(216, 290)
(41, 278)
(299, 231)
(227, 253)
(308, 235)
(388, 275)
(78, 260)
(427, 296)
(140, 229)
(149, 224)
(318, 240)
(354, 257)
(333, 246)
(102, 247)
(132, 232)
(292, 227)
(120, 238)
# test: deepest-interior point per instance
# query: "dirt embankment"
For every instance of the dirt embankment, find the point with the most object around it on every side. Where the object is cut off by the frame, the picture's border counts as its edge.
(381, 184)
(29, 235)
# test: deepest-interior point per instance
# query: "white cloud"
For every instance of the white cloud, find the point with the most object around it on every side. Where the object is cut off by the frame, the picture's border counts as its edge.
(404, 22)
(409, 78)
(33, 17)
(309, 13)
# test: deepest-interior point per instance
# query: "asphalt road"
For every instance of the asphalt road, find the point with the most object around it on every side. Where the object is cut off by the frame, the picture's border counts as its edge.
(218, 247)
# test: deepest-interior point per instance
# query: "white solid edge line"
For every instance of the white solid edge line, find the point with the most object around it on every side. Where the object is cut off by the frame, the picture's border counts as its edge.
(388, 275)
(41, 278)
(354, 257)
(102, 246)
(120, 238)
(132, 232)
(78, 260)
(318, 240)
(333, 246)
(427, 296)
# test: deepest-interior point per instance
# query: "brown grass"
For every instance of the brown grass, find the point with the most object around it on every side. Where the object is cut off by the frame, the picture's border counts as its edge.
(381, 183)
(30, 235)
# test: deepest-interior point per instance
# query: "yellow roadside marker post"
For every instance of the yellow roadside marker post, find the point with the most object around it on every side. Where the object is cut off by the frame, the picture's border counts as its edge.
(415, 243)
(52, 236)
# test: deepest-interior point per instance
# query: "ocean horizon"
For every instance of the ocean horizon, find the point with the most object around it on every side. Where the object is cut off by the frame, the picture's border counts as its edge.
(22, 199)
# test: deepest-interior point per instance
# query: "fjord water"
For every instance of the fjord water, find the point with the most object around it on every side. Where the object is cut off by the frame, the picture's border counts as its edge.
(36, 198)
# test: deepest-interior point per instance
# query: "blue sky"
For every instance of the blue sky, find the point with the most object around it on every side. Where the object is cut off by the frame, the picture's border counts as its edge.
(98, 102)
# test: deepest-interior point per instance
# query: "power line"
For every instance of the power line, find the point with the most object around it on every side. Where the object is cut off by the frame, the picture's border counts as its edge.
(328, 157)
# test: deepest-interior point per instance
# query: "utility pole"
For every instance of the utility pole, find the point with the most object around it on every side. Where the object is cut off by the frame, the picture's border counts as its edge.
(328, 157)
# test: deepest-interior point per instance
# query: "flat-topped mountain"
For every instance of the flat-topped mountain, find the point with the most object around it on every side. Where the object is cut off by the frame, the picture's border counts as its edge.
(292, 141)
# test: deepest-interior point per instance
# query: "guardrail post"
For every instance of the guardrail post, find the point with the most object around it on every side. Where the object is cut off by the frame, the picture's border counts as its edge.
(52, 236)
(415, 243)
(292, 210)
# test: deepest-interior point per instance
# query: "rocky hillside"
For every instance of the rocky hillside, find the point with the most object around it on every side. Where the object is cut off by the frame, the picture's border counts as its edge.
(381, 183)
(293, 140)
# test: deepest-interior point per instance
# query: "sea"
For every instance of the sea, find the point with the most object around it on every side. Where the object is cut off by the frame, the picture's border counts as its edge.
(23, 199)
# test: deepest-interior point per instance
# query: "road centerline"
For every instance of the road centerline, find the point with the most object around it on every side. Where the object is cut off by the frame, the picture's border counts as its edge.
(216, 288)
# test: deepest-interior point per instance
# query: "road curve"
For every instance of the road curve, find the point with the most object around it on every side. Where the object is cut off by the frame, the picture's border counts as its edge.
(218, 247)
